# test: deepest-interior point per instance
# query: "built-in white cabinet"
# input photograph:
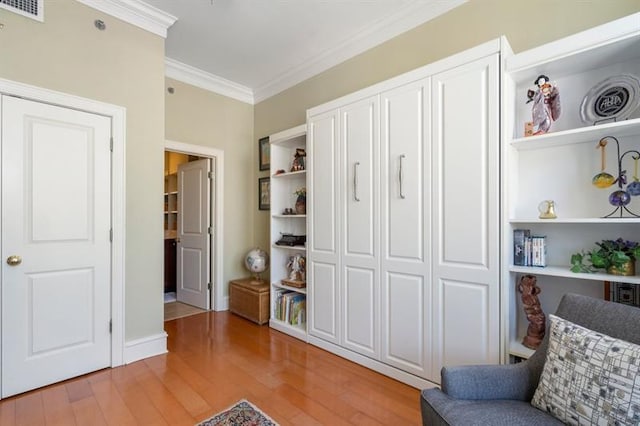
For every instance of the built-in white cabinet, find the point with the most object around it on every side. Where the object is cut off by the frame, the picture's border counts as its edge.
(403, 219)
(465, 186)
(405, 227)
(288, 302)
(359, 230)
(322, 239)
(560, 165)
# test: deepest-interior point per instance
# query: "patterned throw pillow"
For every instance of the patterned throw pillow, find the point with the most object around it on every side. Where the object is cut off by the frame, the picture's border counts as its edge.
(589, 378)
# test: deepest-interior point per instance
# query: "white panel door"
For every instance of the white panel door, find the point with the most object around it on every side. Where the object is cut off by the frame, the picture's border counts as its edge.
(405, 228)
(194, 240)
(56, 216)
(466, 208)
(323, 224)
(360, 227)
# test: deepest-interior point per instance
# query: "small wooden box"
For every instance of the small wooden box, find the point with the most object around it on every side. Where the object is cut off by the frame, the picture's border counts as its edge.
(249, 298)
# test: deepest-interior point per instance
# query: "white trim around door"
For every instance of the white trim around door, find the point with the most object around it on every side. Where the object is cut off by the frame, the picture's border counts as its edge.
(118, 131)
(219, 303)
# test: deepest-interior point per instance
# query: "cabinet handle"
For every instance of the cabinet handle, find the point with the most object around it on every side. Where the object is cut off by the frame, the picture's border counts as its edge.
(355, 181)
(400, 175)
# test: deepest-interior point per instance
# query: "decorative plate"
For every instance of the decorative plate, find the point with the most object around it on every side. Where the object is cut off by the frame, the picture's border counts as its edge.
(614, 98)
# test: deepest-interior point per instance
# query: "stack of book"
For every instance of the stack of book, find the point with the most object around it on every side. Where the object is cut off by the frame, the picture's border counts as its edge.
(529, 250)
(290, 307)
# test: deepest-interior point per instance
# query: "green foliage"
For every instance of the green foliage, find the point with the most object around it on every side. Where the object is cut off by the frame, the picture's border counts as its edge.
(608, 253)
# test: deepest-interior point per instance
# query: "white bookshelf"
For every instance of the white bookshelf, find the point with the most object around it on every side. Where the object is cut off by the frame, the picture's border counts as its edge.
(559, 166)
(283, 147)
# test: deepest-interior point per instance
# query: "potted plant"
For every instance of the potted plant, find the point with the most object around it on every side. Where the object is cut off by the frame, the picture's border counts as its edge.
(301, 201)
(617, 257)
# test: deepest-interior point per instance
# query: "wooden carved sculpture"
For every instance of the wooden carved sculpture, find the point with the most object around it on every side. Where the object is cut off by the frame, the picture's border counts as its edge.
(536, 329)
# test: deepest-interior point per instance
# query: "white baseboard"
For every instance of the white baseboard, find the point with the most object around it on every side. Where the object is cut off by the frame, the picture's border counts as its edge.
(380, 367)
(146, 347)
(222, 304)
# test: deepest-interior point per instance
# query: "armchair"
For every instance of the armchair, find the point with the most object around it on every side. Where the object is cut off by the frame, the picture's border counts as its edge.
(501, 394)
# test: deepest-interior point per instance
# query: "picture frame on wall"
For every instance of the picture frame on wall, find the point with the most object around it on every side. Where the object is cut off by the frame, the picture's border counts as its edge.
(264, 153)
(264, 193)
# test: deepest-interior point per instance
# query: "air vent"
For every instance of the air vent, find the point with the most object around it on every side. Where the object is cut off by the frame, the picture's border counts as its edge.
(30, 8)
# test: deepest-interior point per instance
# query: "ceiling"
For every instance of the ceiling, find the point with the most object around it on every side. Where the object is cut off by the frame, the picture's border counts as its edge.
(261, 47)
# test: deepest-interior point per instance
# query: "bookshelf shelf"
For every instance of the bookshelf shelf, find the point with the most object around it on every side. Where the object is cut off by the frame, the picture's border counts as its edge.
(295, 248)
(518, 349)
(299, 332)
(585, 220)
(580, 135)
(565, 272)
(287, 287)
(289, 174)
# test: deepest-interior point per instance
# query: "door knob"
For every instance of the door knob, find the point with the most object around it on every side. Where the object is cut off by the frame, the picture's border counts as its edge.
(14, 260)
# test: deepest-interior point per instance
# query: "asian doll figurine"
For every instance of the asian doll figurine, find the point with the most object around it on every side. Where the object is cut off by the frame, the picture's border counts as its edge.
(546, 105)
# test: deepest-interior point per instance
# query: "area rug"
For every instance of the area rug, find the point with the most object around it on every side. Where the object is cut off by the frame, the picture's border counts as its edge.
(242, 413)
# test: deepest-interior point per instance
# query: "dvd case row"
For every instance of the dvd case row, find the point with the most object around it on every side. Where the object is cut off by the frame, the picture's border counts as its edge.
(529, 250)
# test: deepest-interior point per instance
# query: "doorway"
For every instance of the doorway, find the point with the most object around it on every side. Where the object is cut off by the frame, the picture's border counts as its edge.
(193, 218)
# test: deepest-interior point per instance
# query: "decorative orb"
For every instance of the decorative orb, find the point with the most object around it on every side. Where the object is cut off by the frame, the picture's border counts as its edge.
(256, 261)
(619, 198)
(634, 188)
(603, 180)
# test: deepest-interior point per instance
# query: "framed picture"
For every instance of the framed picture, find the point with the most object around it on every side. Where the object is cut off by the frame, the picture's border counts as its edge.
(264, 193)
(625, 293)
(264, 153)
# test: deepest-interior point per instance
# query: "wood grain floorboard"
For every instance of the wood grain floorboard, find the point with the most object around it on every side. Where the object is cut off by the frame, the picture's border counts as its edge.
(214, 360)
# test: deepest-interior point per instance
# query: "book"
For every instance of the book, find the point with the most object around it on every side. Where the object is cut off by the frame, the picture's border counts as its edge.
(519, 252)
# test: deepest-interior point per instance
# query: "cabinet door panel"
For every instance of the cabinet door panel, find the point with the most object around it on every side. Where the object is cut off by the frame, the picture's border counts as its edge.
(405, 329)
(403, 137)
(359, 189)
(466, 328)
(323, 178)
(360, 311)
(405, 217)
(466, 211)
(323, 301)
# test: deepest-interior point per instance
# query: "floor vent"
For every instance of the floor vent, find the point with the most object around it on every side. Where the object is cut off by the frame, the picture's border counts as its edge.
(30, 8)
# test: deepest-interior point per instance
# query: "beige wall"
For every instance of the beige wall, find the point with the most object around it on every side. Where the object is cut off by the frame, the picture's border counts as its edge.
(200, 117)
(123, 65)
(525, 23)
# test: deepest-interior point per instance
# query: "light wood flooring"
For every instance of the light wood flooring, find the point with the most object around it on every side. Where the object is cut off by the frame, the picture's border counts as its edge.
(214, 360)
(175, 310)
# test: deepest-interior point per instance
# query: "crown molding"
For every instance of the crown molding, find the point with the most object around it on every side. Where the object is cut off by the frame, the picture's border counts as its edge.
(204, 80)
(136, 13)
(415, 14)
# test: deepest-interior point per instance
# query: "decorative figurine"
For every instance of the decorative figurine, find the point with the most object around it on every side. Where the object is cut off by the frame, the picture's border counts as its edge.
(547, 209)
(621, 197)
(546, 106)
(536, 329)
(296, 268)
(298, 160)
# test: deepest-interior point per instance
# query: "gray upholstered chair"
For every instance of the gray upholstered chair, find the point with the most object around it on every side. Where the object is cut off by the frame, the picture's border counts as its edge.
(501, 394)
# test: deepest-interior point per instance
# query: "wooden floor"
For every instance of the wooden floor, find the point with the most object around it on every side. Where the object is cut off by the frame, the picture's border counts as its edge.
(175, 310)
(214, 360)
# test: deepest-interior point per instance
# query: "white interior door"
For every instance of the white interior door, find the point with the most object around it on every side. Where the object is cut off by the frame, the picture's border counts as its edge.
(56, 222)
(193, 251)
